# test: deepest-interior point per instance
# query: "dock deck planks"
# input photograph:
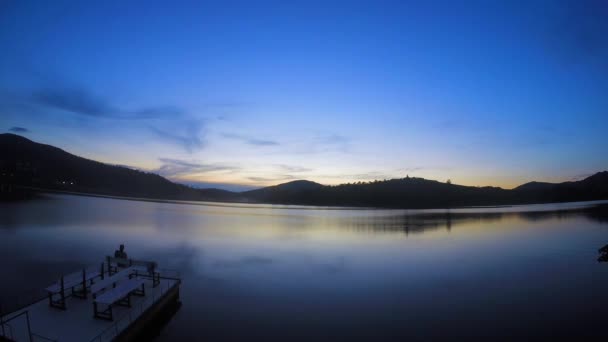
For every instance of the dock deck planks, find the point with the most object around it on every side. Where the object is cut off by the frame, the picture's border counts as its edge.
(77, 322)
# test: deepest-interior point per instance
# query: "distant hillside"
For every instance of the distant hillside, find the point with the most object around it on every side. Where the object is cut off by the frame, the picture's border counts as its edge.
(292, 192)
(27, 163)
(422, 193)
(24, 162)
(594, 187)
(535, 186)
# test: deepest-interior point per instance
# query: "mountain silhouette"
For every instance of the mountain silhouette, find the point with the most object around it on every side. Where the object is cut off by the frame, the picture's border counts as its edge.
(25, 164)
(284, 193)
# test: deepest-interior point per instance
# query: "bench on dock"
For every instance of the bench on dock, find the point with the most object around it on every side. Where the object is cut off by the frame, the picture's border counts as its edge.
(71, 281)
(111, 281)
(116, 290)
(142, 267)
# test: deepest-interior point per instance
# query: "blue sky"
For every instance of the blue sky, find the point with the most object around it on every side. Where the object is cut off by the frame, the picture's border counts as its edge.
(245, 94)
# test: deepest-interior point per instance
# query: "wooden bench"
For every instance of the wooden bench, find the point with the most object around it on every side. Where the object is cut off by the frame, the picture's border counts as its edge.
(71, 281)
(108, 281)
(120, 294)
(143, 267)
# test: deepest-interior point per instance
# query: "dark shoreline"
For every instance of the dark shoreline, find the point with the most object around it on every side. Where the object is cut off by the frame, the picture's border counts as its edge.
(30, 193)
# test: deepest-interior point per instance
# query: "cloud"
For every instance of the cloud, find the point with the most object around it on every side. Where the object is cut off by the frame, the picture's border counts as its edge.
(272, 179)
(75, 100)
(18, 129)
(250, 140)
(332, 142)
(158, 112)
(333, 139)
(81, 101)
(413, 169)
(293, 169)
(185, 133)
(170, 123)
(319, 144)
(178, 168)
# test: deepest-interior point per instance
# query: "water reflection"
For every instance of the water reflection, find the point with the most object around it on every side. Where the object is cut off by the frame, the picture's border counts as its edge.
(419, 222)
(300, 273)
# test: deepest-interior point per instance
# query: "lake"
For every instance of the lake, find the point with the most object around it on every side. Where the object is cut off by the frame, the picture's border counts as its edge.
(261, 272)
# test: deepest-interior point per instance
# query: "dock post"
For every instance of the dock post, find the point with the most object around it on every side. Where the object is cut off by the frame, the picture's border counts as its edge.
(84, 283)
(102, 271)
(62, 294)
(29, 329)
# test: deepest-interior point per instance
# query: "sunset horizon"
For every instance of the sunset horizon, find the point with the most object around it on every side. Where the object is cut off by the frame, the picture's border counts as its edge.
(360, 170)
(502, 109)
(202, 184)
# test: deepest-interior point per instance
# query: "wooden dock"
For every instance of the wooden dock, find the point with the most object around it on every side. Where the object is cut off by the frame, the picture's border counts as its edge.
(132, 312)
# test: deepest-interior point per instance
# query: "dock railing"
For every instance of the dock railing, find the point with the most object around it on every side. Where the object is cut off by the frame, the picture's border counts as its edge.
(22, 319)
(12, 334)
(22, 300)
(138, 310)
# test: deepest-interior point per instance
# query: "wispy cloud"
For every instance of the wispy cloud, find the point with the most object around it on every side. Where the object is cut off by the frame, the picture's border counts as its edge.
(333, 139)
(333, 142)
(412, 169)
(170, 123)
(272, 179)
(158, 112)
(320, 143)
(19, 129)
(173, 168)
(75, 100)
(250, 140)
(293, 168)
(185, 133)
(79, 100)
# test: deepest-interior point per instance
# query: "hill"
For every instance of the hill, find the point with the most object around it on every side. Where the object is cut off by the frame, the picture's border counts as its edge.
(24, 162)
(286, 193)
(30, 164)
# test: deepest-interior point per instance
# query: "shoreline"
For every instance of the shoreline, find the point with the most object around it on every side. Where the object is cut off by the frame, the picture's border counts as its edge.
(251, 205)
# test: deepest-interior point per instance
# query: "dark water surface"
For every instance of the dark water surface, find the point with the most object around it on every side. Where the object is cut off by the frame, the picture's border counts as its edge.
(271, 273)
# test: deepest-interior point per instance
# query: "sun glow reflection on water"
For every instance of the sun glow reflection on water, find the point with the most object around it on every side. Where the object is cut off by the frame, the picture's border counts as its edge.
(357, 273)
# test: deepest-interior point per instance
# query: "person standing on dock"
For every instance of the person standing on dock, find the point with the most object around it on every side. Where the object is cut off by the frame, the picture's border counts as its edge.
(120, 253)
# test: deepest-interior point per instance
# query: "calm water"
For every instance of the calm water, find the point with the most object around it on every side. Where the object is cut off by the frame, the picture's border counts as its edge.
(272, 273)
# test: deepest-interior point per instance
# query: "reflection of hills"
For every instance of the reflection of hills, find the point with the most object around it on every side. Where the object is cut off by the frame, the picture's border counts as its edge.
(419, 223)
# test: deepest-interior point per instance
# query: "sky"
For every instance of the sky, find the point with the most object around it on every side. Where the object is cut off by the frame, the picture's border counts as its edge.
(240, 95)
